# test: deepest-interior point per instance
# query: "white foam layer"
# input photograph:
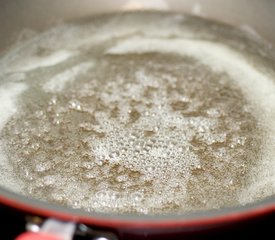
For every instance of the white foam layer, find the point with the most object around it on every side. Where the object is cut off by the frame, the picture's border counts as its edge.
(117, 27)
(33, 62)
(8, 96)
(144, 4)
(87, 36)
(259, 89)
(57, 83)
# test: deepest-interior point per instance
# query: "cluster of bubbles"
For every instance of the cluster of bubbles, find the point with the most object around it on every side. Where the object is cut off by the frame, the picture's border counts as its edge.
(142, 133)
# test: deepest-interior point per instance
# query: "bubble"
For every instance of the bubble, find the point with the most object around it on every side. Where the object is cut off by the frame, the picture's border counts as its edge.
(136, 197)
(150, 169)
(42, 167)
(35, 146)
(114, 154)
(75, 105)
(56, 121)
(121, 178)
(53, 101)
(59, 197)
(101, 194)
(88, 165)
(49, 180)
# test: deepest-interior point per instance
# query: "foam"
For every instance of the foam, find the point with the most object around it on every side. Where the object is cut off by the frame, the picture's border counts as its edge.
(9, 94)
(112, 29)
(58, 82)
(58, 40)
(8, 97)
(7, 178)
(16, 77)
(258, 87)
(144, 4)
(120, 119)
(33, 62)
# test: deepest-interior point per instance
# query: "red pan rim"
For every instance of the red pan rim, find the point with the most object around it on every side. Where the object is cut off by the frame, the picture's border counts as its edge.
(200, 220)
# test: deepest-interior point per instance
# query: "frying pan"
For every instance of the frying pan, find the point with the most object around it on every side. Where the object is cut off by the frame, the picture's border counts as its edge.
(36, 16)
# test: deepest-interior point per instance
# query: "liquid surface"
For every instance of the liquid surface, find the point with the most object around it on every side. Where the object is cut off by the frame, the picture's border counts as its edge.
(145, 113)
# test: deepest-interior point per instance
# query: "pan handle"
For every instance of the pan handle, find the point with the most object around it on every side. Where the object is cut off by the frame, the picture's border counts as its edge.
(52, 229)
(37, 236)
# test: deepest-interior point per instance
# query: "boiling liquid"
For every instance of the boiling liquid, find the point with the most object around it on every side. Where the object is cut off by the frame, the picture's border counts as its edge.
(139, 112)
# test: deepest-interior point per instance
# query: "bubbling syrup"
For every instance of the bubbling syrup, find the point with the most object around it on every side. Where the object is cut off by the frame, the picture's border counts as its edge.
(146, 113)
